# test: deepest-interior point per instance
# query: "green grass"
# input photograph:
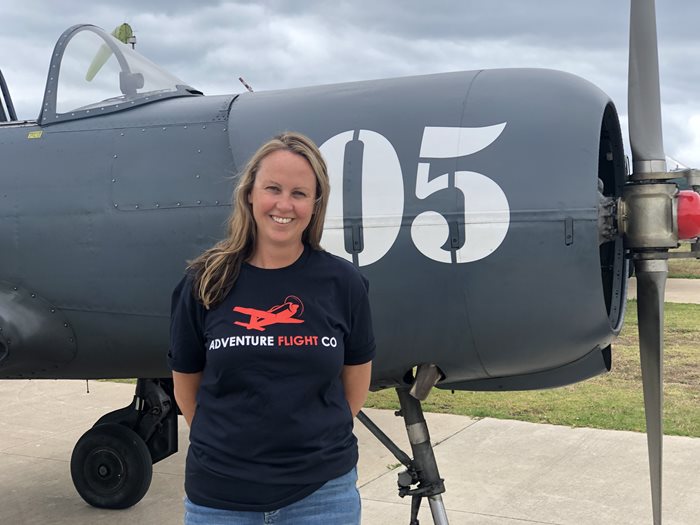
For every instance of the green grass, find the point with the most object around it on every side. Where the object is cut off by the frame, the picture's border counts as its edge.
(684, 268)
(612, 401)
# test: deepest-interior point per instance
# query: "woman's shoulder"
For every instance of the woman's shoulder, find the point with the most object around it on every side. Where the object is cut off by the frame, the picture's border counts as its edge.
(339, 267)
(186, 282)
(333, 261)
(184, 289)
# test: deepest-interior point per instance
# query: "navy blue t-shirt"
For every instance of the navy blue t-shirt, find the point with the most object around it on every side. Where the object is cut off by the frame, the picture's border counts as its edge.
(272, 423)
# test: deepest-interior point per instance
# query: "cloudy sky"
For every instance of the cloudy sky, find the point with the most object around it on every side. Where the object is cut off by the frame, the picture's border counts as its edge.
(276, 44)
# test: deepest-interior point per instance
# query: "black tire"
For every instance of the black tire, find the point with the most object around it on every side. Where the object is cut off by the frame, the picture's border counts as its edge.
(111, 467)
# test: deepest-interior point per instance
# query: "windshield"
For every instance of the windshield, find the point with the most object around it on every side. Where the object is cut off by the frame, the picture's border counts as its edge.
(97, 74)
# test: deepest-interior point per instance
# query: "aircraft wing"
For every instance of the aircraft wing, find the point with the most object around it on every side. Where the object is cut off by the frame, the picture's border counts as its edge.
(252, 312)
(251, 326)
(291, 320)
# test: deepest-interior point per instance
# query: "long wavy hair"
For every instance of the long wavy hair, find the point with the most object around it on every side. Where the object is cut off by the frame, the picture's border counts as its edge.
(217, 269)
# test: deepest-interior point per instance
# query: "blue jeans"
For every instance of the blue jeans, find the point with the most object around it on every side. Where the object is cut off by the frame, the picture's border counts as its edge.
(337, 503)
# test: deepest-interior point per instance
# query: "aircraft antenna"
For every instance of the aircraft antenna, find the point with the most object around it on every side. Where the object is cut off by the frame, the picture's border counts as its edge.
(245, 84)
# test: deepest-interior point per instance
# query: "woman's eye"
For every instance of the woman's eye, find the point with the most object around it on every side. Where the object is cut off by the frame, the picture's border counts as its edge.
(273, 189)
(300, 194)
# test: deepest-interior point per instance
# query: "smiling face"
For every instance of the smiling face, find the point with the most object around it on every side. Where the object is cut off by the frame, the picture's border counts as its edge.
(282, 201)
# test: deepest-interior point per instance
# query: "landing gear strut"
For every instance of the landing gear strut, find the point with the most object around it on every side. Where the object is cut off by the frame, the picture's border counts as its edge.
(112, 463)
(422, 469)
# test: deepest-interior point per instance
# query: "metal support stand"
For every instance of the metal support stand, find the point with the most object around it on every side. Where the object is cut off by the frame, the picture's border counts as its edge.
(430, 484)
(422, 469)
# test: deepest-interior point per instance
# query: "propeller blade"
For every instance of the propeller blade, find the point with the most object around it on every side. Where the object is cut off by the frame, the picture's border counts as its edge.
(651, 284)
(643, 98)
(101, 57)
(122, 33)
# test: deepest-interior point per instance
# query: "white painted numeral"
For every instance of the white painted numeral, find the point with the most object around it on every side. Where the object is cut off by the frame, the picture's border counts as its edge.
(382, 196)
(486, 209)
(486, 215)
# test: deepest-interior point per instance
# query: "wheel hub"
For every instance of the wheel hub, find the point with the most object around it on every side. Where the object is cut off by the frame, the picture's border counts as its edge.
(106, 469)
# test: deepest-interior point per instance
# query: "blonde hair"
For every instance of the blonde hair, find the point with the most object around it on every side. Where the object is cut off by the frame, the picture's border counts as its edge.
(217, 269)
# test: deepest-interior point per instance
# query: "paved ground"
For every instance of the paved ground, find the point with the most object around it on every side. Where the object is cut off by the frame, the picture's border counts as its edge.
(496, 472)
(677, 290)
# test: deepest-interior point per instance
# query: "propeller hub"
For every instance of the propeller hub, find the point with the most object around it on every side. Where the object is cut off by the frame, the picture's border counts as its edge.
(647, 216)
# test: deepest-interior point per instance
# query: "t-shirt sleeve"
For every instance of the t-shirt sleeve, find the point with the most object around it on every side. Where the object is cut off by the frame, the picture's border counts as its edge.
(186, 353)
(359, 343)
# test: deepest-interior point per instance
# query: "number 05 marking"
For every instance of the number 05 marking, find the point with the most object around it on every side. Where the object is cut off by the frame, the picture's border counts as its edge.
(486, 209)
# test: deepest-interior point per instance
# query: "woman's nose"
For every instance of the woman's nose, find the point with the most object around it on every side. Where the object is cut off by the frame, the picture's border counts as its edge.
(284, 203)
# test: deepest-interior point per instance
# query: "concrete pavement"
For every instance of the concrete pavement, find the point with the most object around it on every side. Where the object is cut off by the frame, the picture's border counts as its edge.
(496, 472)
(677, 290)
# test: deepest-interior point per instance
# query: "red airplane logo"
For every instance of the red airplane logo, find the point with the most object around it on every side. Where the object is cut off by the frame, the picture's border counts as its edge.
(281, 314)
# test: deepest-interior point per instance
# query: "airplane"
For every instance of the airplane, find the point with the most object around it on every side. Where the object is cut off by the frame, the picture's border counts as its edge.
(497, 204)
(282, 313)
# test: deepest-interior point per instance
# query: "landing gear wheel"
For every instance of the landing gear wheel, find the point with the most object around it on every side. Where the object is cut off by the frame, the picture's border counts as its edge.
(111, 466)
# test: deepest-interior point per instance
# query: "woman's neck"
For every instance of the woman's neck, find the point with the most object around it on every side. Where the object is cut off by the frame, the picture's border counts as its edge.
(273, 257)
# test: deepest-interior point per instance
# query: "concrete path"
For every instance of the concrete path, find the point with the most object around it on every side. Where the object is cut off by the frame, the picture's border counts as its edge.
(677, 291)
(496, 472)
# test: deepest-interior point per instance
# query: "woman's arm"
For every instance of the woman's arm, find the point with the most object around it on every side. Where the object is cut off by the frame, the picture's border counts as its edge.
(186, 386)
(356, 380)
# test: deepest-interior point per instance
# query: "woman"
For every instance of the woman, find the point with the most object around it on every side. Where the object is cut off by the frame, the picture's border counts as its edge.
(271, 348)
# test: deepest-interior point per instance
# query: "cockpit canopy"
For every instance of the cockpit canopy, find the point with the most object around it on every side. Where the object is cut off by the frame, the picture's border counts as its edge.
(92, 73)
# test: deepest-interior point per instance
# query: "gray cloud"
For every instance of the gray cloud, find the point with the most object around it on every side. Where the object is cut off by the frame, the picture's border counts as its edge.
(278, 44)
